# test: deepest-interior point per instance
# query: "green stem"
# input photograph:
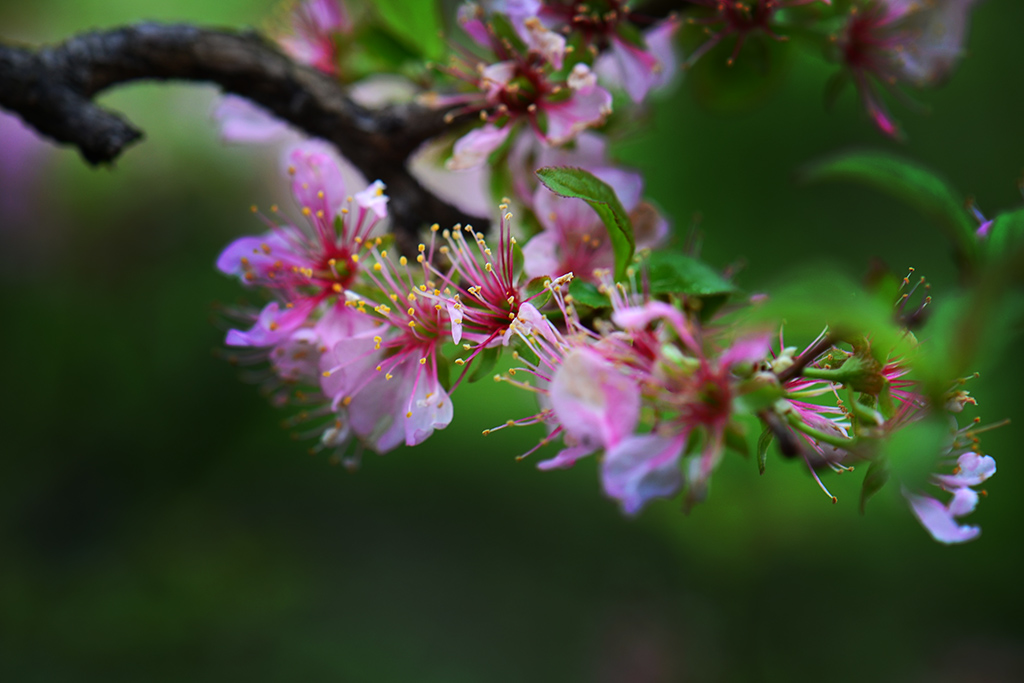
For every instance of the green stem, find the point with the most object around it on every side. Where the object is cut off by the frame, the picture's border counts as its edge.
(838, 375)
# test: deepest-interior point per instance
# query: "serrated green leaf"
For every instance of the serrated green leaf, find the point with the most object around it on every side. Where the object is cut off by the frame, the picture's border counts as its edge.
(580, 184)
(909, 181)
(763, 442)
(588, 295)
(877, 477)
(673, 273)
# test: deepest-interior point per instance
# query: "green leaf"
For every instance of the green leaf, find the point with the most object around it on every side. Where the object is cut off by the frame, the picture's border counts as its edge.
(587, 294)
(484, 363)
(580, 184)
(416, 22)
(1006, 234)
(763, 442)
(385, 47)
(913, 452)
(909, 181)
(754, 395)
(673, 273)
(834, 88)
(506, 32)
(874, 480)
(736, 438)
(444, 371)
(670, 272)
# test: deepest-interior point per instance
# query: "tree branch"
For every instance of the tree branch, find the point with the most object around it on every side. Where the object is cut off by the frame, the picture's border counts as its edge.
(52, 90)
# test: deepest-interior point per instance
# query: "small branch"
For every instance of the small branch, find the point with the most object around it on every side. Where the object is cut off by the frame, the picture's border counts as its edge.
(810, 355)
(52, 89)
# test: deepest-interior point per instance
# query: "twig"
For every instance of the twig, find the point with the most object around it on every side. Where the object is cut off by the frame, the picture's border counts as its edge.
(809, 355)
(52, 89)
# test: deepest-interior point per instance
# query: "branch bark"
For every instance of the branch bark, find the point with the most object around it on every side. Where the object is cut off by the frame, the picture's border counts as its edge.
(52, 89)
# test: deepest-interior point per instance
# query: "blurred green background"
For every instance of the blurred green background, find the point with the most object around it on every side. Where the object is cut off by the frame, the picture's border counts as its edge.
(157, 524)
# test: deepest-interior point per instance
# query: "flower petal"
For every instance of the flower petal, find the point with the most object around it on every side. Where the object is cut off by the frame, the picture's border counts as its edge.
(596, 404)
(643, 467)
(972, 469)
(939, 520)
(473, 148)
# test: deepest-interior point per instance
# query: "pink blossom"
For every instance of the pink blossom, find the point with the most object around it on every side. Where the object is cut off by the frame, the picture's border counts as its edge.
(311, 33)
(634, 63)
(473, 148)
(522, 88)
(940, 519)
(740, 18)
(638, 70)
(403, 397)
(588, 105)
(311, 262)
(889, 42)
(480, 290)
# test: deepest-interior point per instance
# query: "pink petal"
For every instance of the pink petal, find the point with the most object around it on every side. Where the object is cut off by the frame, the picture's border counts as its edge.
(242, 121)
(637, 69)
(273, 325)
(373, 198)
(348, 365)
(588, 106)
(746, 351)
(298, 357)
(473, 148)
(939, 521)
(595, 403)
(329, 16)
(455, 316)
(566, 458)
(470, 18)
(540, 255)
(639, 317)
(545, 42)
(430, 409)
(974, 469)
(938, 30)
(375, 413)
(642, 467)
(258, 255)
(317, 182)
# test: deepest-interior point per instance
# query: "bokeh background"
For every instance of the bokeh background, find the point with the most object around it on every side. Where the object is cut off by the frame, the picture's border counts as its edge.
(157, 523)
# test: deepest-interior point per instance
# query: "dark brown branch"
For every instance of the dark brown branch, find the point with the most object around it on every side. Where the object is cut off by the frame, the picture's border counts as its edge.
(807, 357)
(52, 89)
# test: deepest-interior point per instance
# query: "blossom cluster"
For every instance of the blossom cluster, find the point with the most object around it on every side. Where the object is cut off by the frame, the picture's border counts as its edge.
(366, 340)
(372, 343)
